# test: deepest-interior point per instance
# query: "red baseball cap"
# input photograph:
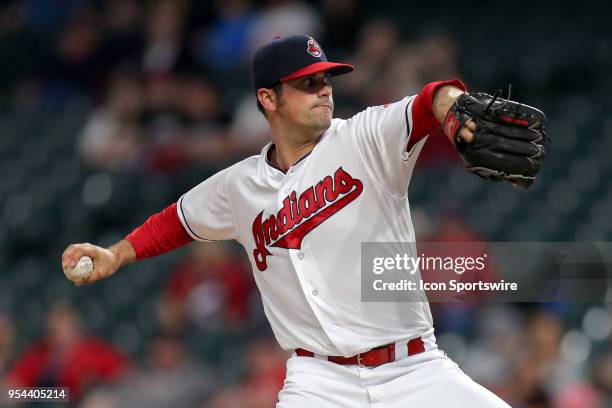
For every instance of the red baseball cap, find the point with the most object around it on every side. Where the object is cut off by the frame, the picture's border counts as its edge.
(292, 57)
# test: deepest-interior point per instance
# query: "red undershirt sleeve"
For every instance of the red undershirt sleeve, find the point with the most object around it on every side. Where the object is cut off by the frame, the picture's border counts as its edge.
(161, 233)
(423, 119)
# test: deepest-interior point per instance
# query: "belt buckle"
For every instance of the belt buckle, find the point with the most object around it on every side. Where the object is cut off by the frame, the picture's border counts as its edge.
(360, 361)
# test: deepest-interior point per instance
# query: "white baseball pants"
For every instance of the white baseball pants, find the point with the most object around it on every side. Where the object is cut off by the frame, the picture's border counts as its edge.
(428, 379)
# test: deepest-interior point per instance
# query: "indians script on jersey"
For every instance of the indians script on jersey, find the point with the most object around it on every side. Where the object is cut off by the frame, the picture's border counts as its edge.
(300, 215)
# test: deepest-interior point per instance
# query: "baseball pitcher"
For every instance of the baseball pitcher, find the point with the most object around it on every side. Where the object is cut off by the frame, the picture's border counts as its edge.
(302, 208)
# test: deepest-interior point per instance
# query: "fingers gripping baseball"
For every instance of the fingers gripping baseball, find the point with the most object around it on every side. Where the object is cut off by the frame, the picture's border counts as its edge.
(105, 262)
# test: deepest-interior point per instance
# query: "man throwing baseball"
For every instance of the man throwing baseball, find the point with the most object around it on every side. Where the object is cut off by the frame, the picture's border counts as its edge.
(302, 208)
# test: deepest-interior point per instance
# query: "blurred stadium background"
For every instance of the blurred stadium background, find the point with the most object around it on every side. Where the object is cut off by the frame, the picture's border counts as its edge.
(110, 110)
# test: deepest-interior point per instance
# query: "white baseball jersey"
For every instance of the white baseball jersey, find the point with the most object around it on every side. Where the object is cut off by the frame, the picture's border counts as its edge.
(303, 231)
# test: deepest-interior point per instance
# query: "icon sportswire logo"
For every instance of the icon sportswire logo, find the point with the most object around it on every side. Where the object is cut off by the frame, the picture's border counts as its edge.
(300, 215)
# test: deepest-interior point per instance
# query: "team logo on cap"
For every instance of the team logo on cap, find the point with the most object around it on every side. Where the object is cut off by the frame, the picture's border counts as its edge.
(313, 48)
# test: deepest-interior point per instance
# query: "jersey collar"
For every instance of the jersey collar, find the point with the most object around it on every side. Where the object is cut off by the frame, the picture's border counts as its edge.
(272, 169)
(268, 152)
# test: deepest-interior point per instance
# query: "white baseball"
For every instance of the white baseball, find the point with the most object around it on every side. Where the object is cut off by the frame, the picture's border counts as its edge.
(81, 271)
